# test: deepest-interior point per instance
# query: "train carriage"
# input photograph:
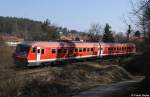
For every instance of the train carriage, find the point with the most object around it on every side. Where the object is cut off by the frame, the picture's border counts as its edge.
(35, 53)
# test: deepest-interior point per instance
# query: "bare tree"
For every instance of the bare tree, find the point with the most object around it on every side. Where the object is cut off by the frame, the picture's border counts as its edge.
(95, 29)
(142, 13)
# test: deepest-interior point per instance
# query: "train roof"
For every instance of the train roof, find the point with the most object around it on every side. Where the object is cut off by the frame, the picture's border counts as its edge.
(69, 44)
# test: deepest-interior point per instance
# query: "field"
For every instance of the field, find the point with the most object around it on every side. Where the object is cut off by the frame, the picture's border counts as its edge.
(54, 81)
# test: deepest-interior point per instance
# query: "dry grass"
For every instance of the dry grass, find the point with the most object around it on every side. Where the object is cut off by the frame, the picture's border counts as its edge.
(6, 60)
(63, 83)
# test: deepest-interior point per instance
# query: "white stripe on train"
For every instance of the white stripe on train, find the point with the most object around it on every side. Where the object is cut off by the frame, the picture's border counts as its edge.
(78, 57)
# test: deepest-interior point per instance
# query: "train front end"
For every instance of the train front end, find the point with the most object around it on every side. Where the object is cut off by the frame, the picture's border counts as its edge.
(20, 55)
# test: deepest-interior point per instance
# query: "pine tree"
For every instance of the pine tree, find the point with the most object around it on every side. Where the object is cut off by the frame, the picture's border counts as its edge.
(108, 36)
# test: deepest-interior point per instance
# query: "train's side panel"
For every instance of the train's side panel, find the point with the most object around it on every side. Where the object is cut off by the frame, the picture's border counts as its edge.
(118, 49)
(31, 56)
(56, 52)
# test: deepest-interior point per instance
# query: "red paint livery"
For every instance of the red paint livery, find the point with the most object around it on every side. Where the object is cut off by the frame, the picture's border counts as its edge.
(35, 53)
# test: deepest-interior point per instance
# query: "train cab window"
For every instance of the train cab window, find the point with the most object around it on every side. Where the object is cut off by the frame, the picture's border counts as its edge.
(53, 50)
(84, 49)
(42, 51)
(76, 50)
(33, 50)
(91, 49)
(59, 51)
(80, 49)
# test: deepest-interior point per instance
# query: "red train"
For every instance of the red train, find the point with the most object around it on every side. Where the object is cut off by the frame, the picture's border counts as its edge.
(36, 53)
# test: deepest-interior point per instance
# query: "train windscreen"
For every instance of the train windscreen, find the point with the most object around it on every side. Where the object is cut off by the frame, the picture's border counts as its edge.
(22, 49)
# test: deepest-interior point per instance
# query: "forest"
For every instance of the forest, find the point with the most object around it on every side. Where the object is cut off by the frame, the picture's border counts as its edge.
(29, 29)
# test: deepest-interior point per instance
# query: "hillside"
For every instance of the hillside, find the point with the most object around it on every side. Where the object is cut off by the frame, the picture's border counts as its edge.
(12, 25)
(28, 29)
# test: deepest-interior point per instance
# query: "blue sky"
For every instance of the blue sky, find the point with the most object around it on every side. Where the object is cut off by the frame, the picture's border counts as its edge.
(73, 14)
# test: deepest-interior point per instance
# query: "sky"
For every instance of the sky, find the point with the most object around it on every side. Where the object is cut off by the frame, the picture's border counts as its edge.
(73, 14)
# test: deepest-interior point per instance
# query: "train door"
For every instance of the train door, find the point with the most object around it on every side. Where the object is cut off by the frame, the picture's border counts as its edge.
(98, 53)
(38, 54)
(101, 51)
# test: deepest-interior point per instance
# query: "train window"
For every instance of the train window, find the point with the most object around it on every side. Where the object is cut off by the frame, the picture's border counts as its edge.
(91, 49)
(59, 50)
(84, 49)
(111, 48)
(53, 50)
(22, 48)
(64, 50)
(71, 50)
(42, 51)
(123, 48)
(38, 51)
(33, 50)
(88, 49)
(76, 50)
(117, 48)
(80, 49)
(108, 48)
